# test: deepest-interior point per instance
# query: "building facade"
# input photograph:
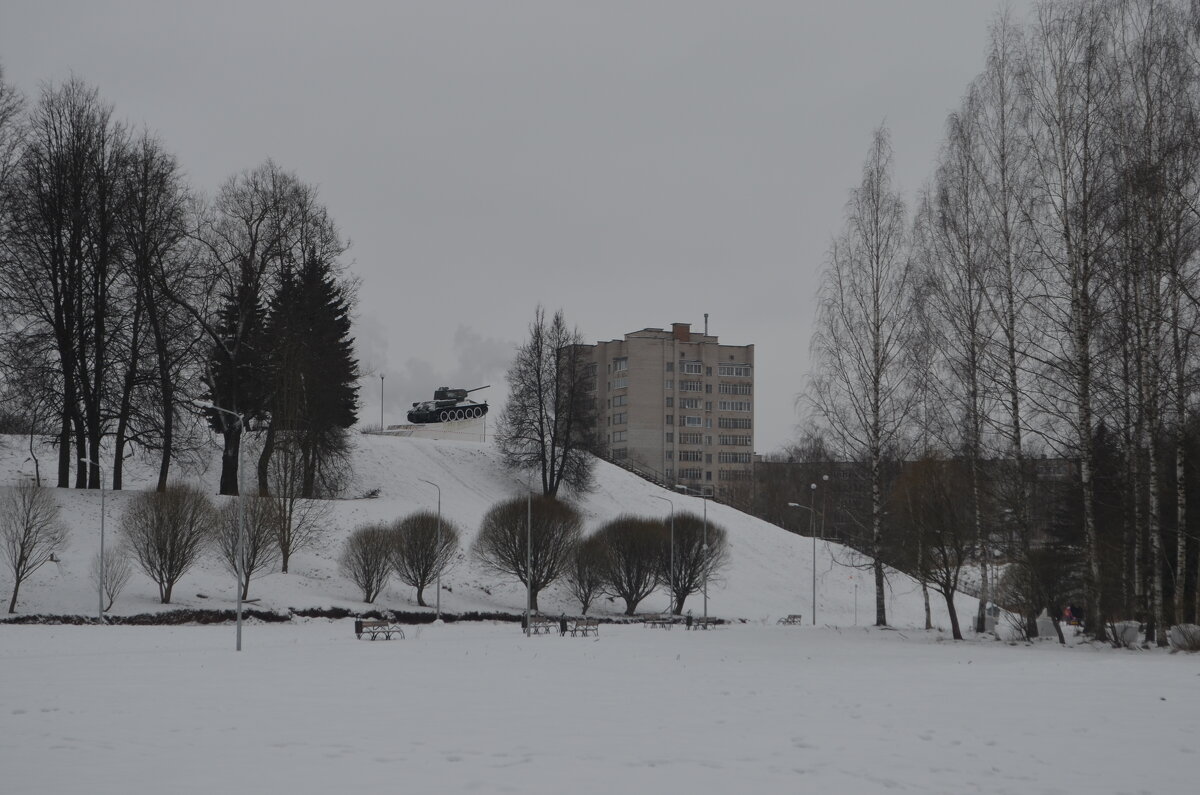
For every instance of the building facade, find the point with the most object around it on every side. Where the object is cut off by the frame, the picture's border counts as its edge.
(678, 406)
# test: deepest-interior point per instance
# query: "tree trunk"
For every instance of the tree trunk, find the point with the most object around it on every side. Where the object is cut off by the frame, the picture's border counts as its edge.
(232, 437)
(953, 611)
(12, 603)
(264, 461)
(421, 596)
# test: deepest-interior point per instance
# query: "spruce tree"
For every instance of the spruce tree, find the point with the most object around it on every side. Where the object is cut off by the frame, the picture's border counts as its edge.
(313, 373)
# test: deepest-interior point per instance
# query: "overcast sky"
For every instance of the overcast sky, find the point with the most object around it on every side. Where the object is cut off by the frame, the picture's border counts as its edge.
(632, 163)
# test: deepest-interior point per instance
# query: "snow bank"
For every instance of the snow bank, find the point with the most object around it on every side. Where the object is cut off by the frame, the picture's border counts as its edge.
(769, 574)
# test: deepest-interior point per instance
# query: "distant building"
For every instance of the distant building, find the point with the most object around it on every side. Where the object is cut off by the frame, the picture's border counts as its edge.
(678, 406)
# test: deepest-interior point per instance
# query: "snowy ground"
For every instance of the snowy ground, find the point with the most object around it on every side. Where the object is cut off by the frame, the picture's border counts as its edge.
(477, 707)
(458, 708)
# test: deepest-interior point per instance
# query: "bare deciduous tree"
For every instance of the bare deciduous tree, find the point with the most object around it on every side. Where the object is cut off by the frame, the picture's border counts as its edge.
(701, 552)
(631, 549)
(367, 559)
(543, 530)
(861, 333)
(933, 501)
(424, 546)
(111, 577)
(30, 532)
(252, 541)
(584, 578)
(548, 424)
(299, 522)
(167, 532)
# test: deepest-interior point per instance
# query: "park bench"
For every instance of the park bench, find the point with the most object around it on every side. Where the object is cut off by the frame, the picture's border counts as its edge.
(701, 623)
(375, 628)
(583, 626)
(794, 618)
(542, 625)
(661, 621)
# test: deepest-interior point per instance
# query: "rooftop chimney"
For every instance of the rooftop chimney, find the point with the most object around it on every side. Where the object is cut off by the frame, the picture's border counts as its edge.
(681, 332)
(706, 324)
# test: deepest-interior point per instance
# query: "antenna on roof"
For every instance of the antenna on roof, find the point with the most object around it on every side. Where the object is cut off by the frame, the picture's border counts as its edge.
(706, 324)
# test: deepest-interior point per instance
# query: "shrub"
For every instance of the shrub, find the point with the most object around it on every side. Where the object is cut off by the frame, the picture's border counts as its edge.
(1185, 637)
(367, 559)
(505, 540)
(423, 549)
(166, 532)
(630, 558)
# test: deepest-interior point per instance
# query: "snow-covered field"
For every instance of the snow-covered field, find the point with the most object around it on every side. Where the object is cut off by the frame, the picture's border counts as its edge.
(464, 707)
(471, 707)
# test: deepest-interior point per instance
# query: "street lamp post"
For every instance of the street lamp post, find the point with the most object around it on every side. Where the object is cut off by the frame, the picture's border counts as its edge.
(439, 543)
(824, 502)
(671, 571)
(100, 584)
(381, 426)
(528, 557)
(812, 532)
(703, 496)
(237, 555)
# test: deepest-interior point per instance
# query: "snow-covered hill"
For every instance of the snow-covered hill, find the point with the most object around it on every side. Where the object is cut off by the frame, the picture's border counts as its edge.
(769, 574)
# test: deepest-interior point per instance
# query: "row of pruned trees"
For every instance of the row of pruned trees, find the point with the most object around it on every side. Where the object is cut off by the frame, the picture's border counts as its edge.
(539, 540)
(129, 303)
(1039, 295)
(166, 533)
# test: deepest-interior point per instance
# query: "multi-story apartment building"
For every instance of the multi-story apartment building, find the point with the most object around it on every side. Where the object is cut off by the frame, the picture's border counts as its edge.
(677, 405)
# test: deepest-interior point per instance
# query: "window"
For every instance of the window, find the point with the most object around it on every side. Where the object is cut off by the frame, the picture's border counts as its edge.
(670, 367)
(619, 418)
(708, 458)
(689, 403)
(708, 371)
(708, 424)
(670, 437)
(670, 402)
(736, 370)
(670, 419)
(691, 455)
(733, 458)
(708, 405)
(620, 383)
(735, 474)
(708, 389)
(620, 452)
(691, 438)
(740, 423)
(620, 400)
(708, 475)
(736, 405)
(735, 389)
(692, 422)
(690, 474)
(669, 455)
(669, 385)
(691, 386)
(737, 440)
(620, 436)
(620, 365)
(692, 368)
(670, 474)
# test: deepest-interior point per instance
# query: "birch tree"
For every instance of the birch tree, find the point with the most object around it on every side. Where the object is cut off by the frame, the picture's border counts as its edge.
(1068, 93)
(861, 327)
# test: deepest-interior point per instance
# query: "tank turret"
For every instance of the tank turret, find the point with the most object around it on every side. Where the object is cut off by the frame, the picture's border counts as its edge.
(448, 405)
